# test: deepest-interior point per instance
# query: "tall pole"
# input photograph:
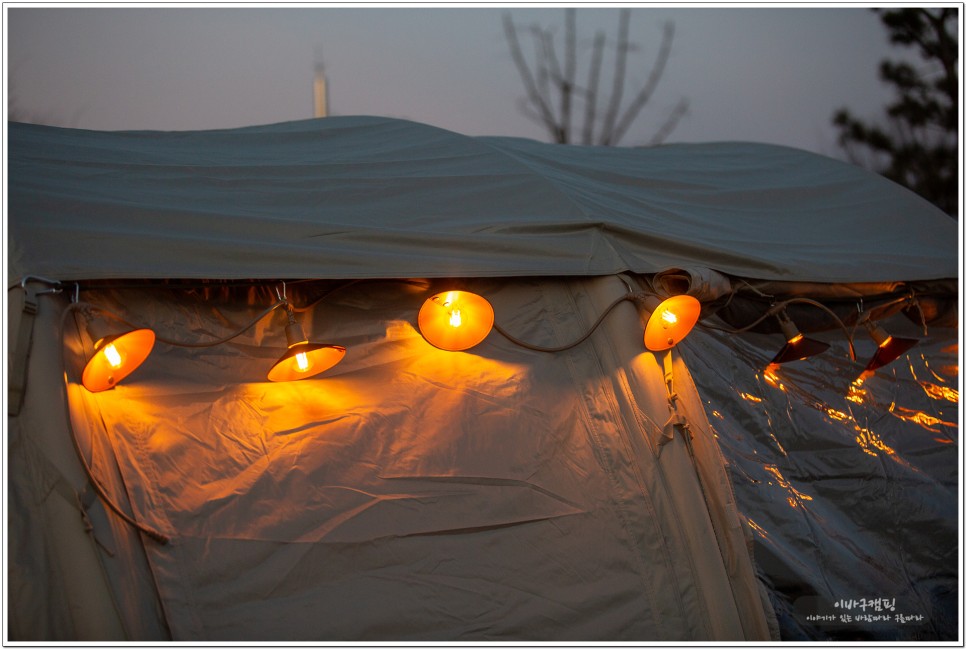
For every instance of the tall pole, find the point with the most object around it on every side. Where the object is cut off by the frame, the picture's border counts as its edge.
(320, 91)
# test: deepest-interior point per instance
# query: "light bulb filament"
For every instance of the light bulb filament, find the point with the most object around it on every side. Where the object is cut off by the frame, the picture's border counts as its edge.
(301, 362)
(669, 317)
(455, 318)
(112, 355)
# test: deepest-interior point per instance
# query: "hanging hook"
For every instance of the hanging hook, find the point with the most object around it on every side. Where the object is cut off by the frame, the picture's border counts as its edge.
(55, 284)
(282, 297)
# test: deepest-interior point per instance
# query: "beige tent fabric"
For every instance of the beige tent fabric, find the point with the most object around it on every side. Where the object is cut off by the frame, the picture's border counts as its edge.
(75, 573)
(409, 493)
(369, 197)
(415, 494)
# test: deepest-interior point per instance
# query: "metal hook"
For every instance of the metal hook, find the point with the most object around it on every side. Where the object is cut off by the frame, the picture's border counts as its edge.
(56, 286)
(282, 297)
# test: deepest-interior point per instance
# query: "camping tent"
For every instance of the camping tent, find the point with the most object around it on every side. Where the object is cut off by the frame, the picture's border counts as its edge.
(557, 481)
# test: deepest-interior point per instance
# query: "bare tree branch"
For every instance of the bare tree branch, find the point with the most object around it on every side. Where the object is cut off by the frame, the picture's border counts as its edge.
(657, 71)
(553, 94)
(542, 69)
(620, 67)
(534, 97)
(679, 111)
(570, 69)
(593, 79)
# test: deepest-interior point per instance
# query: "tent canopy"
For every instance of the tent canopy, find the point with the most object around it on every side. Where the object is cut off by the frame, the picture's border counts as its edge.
(601, 491)
(364, 197)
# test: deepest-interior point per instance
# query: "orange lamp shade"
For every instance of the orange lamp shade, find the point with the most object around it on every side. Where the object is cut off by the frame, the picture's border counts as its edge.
(303, 359)
(797, 347)
(889, 347)
(115, 357)
(670, 321)
(455, 320)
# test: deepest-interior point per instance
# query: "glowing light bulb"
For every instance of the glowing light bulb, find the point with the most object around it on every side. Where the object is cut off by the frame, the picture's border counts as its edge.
(885, 343)
(116, 356)
(113, 357)
(669, 321)
(302, 362)
(442, 323)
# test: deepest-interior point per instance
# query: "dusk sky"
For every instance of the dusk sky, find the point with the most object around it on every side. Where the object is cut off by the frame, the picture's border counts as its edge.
(772, 74)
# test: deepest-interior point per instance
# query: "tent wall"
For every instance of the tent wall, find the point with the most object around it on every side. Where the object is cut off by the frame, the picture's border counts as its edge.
(416, 494)
(495, 494)
(74, 574)
(851, 488)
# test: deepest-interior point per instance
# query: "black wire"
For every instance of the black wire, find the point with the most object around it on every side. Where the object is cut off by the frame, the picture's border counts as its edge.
(593, 327)
(178, 343)
(98, 487)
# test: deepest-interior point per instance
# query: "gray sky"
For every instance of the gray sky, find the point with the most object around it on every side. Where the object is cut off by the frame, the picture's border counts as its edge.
(761, 74)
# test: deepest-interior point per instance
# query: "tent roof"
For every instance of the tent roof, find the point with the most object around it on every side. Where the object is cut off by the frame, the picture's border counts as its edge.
(360, 197)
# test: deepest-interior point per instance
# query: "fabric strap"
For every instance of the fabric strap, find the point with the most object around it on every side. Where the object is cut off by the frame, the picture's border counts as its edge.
(18, 372)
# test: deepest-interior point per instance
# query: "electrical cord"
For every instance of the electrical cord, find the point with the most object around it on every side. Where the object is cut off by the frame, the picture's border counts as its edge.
(179, 343)
(779, 306)
(98, 487)
(585, 336)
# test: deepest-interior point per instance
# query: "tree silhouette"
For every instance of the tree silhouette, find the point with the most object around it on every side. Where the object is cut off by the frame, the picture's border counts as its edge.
(917, 146)
(553, 93)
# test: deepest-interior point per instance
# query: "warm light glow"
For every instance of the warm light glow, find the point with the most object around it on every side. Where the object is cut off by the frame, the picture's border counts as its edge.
(670, 321)
(872, 444)
(455, 320)
(797, 347)
(795, 497)
(112, 356)
(837, 415)
(304, 360)
(116, 357)
(856, 393)
(890, 347)
(301, 362)
(934, 391)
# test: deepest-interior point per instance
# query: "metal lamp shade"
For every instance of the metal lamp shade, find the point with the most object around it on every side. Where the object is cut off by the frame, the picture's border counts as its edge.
(671, 320)
(315, 358)
(797, 347)
(455, 320)
(115, 356)
(890, 347)
(303, 359)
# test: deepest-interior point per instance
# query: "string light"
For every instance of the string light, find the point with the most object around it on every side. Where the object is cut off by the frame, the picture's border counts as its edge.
(889, 347)
(669, 321)
(303, 359)
(797, 347)
(117, 353)
(455, 320)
